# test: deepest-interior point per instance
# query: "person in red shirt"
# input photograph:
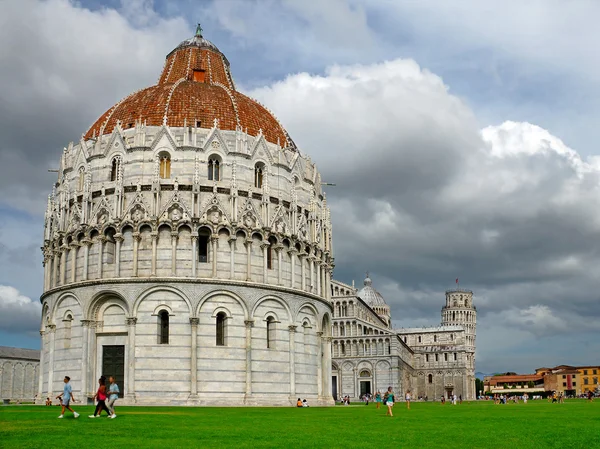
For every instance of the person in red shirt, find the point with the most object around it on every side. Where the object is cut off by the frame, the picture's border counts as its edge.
(101, 398)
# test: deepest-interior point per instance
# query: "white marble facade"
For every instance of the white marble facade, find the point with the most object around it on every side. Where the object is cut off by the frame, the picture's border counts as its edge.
(19, 373)
(202, 254)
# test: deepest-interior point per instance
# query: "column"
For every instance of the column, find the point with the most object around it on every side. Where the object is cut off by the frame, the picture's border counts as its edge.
(215, 247)
(136, 243)
(292, 252)
(85, 324)
(318, 276)
(249, 324)
(55, 269)
(154, 237)
(311, 261)
(91, 365)
(264, 247)
(292, 330)
(194, 358)
(248, 243)
(63, 264)
(327, 393)
(86, 257)
(194, 255)
(279, 250)
(232, 256)
(301, 257)
(320, 364)
(73, 253)
(118, 241)
(174, 253)
(41, 369)
(100, 241)
(47, 272)
(51, 330)
(130, 393)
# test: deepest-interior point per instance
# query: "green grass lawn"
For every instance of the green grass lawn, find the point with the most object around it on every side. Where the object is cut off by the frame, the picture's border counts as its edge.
(575, 424)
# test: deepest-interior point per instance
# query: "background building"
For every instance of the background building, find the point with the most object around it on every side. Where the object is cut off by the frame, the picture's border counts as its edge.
(19, 373)
(369, 356)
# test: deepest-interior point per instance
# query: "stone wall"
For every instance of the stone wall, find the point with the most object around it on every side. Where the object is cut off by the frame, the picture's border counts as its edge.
(18, 379)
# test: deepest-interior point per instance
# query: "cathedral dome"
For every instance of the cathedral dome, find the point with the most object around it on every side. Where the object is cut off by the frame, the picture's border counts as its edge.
(194, 89)
(371, 296)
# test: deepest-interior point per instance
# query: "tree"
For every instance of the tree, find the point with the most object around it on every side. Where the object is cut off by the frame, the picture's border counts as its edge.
(530, 384)
(478, 386)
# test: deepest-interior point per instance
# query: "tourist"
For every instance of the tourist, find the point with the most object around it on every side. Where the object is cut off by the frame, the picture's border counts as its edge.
(299, 403)
(454, 399)
(100, 396)
(304, 403)
(590, 396)
(388, 399)
(378, 399)
(460, 399)
(525, 398)
(408, 399)
(443, 401)
(113, 389)
(48, 401)
(65, 399)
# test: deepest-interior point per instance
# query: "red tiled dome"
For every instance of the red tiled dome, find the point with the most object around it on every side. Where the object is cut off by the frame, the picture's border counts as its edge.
(194, 88)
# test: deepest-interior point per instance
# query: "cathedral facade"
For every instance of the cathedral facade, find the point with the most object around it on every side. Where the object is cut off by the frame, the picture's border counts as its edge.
(429, 362)
(187, 250)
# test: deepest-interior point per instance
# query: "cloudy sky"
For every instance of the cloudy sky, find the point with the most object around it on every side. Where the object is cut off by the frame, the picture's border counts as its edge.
(461, 136)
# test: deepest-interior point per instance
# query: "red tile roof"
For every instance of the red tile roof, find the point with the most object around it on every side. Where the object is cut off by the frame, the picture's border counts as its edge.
(180, 99)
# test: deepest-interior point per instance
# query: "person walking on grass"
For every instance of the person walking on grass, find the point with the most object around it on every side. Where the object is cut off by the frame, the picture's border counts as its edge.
(100, 396)
(65, 398)
(388, 399)
(378, 399)
(408, 399)
(113, 391)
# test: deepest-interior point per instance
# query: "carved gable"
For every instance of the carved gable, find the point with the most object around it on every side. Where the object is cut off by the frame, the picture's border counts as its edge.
(175, 209)
(213, 212)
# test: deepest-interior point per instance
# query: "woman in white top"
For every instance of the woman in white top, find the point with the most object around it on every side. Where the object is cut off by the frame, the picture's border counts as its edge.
(408, 399)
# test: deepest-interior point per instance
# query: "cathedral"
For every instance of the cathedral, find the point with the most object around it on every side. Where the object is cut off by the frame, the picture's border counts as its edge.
(429, 362)
(188, 252)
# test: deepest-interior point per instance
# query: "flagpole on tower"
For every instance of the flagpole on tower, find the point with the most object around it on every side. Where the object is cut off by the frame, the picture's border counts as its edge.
(457, 284)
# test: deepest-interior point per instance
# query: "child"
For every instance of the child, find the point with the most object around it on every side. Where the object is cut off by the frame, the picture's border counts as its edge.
(65, 399)
(101, 396)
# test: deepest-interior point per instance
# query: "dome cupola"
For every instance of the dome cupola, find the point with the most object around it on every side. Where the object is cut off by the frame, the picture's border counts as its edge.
(374, 299)
(194, 89)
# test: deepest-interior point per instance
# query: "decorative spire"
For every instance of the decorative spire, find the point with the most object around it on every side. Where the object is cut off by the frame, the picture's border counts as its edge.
(198, 31)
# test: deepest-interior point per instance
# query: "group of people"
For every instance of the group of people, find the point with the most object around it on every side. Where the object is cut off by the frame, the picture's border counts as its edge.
(301, 403)
(105, 398)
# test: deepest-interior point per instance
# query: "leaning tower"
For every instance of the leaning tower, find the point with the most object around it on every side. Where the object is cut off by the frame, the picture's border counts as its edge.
(460, 311)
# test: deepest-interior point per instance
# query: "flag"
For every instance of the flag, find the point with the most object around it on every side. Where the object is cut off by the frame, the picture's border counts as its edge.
(457, 280)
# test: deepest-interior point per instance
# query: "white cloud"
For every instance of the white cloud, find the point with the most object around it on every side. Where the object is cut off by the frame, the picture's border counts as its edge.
(18, 313)
(423, 196)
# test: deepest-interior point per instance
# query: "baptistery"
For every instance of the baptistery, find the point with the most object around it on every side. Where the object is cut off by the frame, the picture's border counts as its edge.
(187, 250)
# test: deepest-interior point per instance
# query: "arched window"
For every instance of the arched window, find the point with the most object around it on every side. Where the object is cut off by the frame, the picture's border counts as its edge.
(163, 327)
(343, 348)
(81, 180)
(203, 244)
(258, 175)
(434, 338)
(419, 338)
(445, 356)
(451, 336)
(270, 332)
(67, 331)
(114, 168)
(214, 169)
(430, 378)
(365, 373)
(436, 357)
(220, 328)
(165, 165)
